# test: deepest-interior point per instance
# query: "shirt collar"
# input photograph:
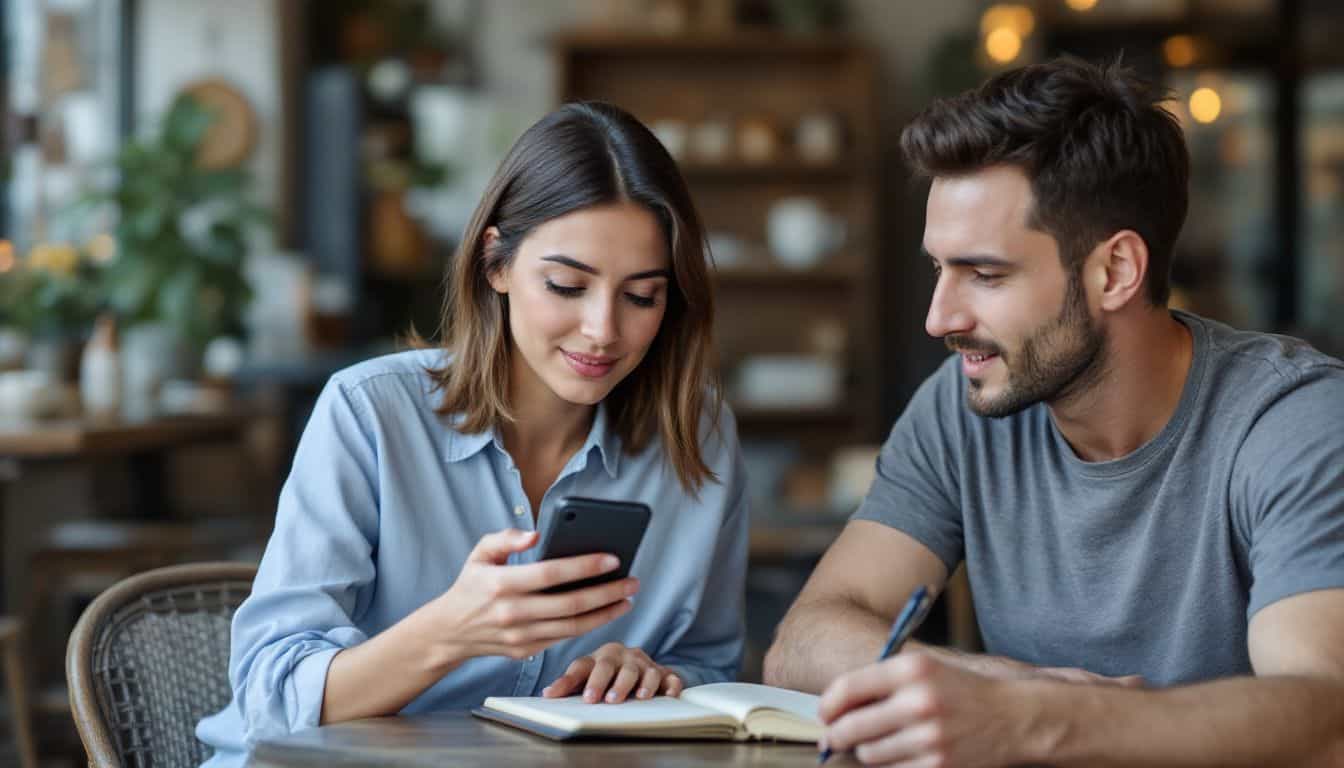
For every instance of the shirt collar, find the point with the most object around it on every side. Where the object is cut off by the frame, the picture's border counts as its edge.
(602, 436)
(464, 445)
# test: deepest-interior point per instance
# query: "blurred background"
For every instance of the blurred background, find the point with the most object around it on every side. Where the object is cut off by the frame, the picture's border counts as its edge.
(210, 207)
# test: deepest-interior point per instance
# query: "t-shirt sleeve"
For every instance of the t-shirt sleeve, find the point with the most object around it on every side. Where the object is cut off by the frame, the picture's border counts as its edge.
(1289, 478)
(915, 489)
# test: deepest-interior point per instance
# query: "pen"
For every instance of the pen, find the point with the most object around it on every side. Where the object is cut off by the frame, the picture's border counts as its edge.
(906, 622)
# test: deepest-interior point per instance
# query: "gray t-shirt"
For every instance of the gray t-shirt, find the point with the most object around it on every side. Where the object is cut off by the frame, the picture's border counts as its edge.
(1150, 564)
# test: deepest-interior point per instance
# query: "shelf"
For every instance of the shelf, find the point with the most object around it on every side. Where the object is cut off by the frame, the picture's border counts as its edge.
(737, 171)
(782, 277)
(773, 541)
(739, 43)
(806, 415)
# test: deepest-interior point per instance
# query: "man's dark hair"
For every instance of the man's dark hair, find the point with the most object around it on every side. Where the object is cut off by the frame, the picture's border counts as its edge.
(1101, 151)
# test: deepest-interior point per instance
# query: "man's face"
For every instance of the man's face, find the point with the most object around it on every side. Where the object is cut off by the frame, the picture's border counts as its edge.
(1003, 299)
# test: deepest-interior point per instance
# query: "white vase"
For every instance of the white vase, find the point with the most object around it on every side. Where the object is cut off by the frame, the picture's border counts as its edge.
(100, 371)
(801, 232)
(151, 354)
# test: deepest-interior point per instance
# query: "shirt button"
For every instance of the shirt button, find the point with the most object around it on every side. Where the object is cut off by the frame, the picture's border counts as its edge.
(531, 658)
(519, 511)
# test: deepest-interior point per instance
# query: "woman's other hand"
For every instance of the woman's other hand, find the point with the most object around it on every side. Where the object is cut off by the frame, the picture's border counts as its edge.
(613, 673)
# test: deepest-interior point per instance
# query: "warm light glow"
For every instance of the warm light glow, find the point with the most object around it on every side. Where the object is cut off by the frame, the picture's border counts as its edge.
(102, 248)
(1003, 45)
(1018, 18)
(1205, 105)
(7, 260)
(1179, 51)
(1081, 5)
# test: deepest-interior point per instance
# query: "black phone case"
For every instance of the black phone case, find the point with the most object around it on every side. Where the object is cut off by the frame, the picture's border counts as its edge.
(582, 526)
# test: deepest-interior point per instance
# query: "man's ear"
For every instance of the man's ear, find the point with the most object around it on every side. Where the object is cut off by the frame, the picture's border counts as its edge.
(498, 278)
(1117, 269)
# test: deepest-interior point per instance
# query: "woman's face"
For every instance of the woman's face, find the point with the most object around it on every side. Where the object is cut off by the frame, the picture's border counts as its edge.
(587, 292)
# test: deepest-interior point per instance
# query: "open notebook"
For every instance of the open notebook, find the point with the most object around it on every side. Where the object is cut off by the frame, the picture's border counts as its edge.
(729, 711)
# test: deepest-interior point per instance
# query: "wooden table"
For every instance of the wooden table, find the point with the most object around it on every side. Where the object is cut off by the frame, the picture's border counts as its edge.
(458, 739)
(142, 442)
(78, 438)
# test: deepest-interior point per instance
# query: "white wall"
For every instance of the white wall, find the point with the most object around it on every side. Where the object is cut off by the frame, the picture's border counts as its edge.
(181, 41)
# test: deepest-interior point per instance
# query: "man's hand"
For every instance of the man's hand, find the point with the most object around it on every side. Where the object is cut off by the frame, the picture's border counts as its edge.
(615, 671)
(915, 710)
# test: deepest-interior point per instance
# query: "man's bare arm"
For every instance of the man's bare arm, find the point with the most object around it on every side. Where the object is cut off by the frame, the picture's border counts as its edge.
(842, 616)
(916, 708)
(1290, 714)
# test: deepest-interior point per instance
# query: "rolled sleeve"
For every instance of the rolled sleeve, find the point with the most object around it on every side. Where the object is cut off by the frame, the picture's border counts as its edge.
(315, 577)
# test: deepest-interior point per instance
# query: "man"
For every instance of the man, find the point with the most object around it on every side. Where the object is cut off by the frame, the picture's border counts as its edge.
(1150, 505)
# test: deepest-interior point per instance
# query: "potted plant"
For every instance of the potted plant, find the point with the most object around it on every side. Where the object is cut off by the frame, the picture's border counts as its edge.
(181, 233)
(51, 297)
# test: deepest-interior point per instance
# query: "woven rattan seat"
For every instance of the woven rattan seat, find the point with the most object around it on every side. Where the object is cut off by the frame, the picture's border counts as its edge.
(149, 658)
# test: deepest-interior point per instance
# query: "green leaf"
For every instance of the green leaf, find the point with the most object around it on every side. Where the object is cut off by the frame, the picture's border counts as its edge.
(177, 298)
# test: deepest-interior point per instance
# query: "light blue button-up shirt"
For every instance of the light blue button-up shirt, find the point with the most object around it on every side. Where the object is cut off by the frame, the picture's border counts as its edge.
(385, 501)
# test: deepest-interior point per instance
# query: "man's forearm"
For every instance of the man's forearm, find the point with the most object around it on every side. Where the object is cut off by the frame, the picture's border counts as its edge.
(820, 640)
(1250, 721)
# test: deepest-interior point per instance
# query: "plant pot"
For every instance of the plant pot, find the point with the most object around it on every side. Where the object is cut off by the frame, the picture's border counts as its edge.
(151, 354)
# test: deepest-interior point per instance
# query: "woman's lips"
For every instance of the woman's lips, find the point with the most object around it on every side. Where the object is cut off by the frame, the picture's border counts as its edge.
(590, 366)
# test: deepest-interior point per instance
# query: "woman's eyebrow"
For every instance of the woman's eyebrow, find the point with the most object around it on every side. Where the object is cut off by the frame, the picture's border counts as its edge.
(579, 265)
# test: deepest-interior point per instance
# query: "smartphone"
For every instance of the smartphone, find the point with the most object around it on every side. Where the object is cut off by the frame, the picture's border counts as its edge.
(583, 526)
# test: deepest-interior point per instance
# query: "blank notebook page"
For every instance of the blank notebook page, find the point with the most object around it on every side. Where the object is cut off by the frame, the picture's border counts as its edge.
(739, 699)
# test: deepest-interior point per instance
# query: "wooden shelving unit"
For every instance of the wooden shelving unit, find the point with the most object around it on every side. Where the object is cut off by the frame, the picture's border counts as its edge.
(766, 308)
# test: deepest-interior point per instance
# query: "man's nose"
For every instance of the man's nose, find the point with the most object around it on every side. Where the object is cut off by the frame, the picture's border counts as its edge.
(947, 314)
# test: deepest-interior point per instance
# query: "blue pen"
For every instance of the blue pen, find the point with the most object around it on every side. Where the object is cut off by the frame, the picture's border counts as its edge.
(916, 608)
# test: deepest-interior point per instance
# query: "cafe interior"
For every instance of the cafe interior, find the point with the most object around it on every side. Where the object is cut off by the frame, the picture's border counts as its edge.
(211, 207)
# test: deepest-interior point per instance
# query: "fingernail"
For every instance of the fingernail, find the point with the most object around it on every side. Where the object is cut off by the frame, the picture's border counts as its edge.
(590, 695)
(546, 691)
(610, 562)
(642, 693)
(611, 697)
(631, 588)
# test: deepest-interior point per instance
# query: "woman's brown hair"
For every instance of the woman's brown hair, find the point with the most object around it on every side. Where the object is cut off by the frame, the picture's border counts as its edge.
(583, 155)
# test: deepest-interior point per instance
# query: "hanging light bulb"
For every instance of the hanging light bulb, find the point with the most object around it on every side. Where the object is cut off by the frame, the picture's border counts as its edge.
(1179, 51)
(1082, 6)
(1003, 45)
(1205, 105)
(1014, 16)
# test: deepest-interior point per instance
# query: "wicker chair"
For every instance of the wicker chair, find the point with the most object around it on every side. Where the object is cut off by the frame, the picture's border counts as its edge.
(149, 658)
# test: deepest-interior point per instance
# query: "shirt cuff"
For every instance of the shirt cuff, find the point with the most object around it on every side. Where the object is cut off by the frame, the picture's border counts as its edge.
(308, 682)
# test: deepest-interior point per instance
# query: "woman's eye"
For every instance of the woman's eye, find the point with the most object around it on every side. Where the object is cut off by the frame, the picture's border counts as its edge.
(642, 301)
(567, 291)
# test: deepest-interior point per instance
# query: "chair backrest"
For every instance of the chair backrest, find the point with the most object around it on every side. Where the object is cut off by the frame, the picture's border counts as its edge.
(149, 658)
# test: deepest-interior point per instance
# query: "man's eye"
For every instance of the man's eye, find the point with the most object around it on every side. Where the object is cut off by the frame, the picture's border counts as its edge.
(564, 290)
(987, 277)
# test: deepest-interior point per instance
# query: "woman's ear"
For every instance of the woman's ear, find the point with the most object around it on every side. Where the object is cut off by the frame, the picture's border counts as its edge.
(498, 278)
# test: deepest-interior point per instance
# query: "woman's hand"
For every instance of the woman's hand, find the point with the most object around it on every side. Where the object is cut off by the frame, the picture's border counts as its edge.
(495, 609)
(615, 671)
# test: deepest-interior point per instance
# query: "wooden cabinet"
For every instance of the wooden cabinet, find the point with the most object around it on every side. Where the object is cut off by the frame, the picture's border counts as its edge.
(776, 135)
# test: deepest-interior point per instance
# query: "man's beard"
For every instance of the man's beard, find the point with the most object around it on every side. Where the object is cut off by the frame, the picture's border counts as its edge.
(1057, 361)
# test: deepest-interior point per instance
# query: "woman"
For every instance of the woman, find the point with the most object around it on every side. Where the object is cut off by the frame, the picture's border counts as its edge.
(402, 575)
